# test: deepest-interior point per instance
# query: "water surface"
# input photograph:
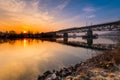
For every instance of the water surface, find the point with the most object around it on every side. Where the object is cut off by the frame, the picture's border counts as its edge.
(25, 59)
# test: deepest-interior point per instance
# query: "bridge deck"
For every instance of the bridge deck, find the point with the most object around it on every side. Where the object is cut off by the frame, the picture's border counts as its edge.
(114, 24)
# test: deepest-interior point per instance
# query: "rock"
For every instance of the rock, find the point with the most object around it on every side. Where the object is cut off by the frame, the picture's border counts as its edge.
(112, 75)
(100, 77)
(53, 76)
(104, 74)
(116, 78)
(92, 78)
(69, 78)
(81, 77)
(114, 68)
(90, 74)
(46, 73)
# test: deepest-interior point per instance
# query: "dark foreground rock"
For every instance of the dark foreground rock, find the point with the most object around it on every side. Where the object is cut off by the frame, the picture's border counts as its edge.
(102, 67)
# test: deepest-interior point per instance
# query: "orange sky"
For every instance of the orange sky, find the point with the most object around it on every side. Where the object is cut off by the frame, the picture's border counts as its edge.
(31, 15)
(52, 15)
(18, 16)
(20, 29)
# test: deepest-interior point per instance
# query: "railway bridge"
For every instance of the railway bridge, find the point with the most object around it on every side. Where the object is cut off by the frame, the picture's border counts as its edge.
(109, 26)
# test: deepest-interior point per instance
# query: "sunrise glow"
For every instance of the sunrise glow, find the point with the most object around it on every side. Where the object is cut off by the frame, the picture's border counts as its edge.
(52, 15)
(24, 32)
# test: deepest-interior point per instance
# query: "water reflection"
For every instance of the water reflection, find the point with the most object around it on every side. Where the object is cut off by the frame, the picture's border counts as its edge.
(25, 42)
(89, 41)
(88, 44)
(25, 59)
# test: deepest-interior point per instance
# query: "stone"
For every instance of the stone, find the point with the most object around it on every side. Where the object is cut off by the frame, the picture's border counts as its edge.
(90, 74)
(116, 78)
(104, 74)
(100, 77)
(69, 78)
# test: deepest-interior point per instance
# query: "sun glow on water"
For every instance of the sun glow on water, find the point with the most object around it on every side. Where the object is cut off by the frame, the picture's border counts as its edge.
(25, 42)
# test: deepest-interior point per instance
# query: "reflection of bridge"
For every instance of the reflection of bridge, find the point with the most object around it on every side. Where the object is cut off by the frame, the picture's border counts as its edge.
(89, 45)
(111, 26)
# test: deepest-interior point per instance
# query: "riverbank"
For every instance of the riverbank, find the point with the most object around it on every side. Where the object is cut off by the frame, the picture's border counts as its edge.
(105, 66)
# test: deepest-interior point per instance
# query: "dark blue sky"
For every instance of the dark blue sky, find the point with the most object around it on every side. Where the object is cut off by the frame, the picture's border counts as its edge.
(82, 12)
(94, 10)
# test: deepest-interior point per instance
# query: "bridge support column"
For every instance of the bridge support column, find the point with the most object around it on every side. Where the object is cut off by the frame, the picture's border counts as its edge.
(90, 33)
(65, 35)
(65, 40)
(90, 41)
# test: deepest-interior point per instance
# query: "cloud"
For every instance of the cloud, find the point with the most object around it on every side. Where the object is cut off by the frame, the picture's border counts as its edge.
(30, 13)
(88, 9)
(63, 5)
(73, 21)
(91, 16)
(60, 7)
(24, 12)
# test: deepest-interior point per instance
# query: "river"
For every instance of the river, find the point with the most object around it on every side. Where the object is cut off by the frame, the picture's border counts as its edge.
(25, 59)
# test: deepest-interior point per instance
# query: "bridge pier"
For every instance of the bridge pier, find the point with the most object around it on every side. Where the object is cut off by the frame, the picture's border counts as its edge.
(65, 35)
(89, 41)
(65, 40)
(90, 33)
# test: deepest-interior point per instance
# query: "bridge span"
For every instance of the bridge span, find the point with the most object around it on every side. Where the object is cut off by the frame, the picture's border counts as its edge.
(109, 26)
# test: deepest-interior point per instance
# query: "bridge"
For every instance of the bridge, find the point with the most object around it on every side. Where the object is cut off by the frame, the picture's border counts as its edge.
(109, 26)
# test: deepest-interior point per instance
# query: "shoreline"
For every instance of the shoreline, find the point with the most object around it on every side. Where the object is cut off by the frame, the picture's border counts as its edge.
(105, 66)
